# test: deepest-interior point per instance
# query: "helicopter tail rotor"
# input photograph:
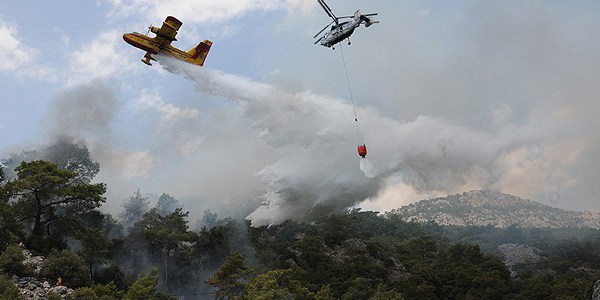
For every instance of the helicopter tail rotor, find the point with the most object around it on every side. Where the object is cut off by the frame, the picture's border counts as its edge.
(360, 18)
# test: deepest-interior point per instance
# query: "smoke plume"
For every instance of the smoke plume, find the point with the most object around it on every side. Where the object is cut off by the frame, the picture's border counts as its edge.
(321, 173)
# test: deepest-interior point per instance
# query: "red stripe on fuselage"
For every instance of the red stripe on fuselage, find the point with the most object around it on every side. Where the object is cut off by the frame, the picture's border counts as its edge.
(140, 41)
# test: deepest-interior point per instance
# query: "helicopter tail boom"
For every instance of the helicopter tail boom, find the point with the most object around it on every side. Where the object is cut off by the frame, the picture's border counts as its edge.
(360, 18)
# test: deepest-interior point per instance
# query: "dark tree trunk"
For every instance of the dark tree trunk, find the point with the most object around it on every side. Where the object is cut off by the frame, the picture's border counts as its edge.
(37, 225)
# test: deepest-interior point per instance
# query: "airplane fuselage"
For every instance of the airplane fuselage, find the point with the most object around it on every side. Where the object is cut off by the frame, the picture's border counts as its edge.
(154, 46)
(143, 42)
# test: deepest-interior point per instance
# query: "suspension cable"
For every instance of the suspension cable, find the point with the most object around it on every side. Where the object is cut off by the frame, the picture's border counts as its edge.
(348, 81)
(358, 133)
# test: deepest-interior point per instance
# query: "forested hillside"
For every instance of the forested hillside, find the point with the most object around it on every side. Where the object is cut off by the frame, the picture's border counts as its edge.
(52, 231)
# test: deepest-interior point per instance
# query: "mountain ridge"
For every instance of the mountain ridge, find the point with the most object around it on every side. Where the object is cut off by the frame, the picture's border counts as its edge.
(489, 208)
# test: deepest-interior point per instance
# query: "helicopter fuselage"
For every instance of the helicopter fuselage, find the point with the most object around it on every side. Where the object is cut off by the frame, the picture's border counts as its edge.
(338, 33)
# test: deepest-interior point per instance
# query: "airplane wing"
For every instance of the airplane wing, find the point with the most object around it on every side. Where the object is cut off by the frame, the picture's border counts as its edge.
(169, 28)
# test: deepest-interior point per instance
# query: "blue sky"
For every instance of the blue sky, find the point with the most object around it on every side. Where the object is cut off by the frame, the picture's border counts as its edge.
(519, 77)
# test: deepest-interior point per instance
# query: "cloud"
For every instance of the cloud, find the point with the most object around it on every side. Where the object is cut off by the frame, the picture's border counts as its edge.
(212, 12)
(99, 59)
(18, 58)
(151, 99)
(192, 11)
(15, 54)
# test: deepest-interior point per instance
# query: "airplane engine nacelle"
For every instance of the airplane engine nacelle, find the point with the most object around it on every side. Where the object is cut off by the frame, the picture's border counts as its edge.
(154, 30)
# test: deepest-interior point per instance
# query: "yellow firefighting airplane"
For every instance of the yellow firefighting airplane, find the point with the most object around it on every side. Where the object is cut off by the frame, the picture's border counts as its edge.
(162, 43)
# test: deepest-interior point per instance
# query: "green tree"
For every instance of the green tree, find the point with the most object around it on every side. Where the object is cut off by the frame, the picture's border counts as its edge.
(165, 234)
(11, 262)
(45, 193)
(166, 204)
(68, 266)
(64, 153)
(145, 288)
(213, 245)
(8, 289)
(10, 227)
(134, 208)
(135, 244)
(325, 293)
(112, 275)
(465, 273)
(2, 175)
(108, 291)
(382, 293)
(360, 288)
(209, 220)
(231, 277)
(274, 285)
(53, 296)
(84, 293)
(95, 247)
(75, 158)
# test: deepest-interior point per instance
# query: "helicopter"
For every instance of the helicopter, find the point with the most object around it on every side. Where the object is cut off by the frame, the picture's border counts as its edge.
(341, 30)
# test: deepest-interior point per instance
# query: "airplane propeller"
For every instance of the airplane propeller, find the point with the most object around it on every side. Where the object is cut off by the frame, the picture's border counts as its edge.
(149, 28)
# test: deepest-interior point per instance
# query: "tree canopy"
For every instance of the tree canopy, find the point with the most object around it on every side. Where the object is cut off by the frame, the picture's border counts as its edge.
(48, 196)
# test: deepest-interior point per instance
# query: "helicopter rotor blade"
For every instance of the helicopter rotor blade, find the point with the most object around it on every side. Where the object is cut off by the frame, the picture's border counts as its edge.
(328, 10)
(322, 30)
(366, 15)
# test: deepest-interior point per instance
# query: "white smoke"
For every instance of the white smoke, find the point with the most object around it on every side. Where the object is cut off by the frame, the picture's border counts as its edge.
(320, 174)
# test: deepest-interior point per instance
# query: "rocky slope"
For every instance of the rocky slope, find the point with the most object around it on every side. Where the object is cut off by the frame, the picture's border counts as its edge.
(517, 255)
(34, 288)
(486, 208)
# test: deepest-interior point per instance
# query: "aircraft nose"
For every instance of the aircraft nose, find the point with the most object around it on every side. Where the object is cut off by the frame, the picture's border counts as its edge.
(127, 38)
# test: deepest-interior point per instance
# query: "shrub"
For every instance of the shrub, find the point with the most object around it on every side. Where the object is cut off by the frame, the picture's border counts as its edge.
(68, 266)
(84, 293)
(8, 289)
(11, 262)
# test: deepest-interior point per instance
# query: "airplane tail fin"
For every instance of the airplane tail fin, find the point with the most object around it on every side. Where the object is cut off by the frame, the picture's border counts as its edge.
(198, 54)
